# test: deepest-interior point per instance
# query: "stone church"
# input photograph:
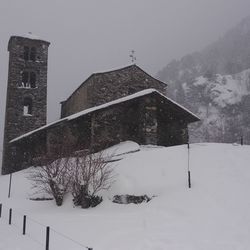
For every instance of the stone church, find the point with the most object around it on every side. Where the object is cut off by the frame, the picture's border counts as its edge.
(107, 108)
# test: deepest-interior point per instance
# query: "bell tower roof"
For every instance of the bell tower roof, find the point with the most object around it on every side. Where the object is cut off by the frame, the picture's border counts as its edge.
(28, 36)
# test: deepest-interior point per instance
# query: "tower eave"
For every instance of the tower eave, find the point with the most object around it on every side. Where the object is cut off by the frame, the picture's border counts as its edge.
(26, 38)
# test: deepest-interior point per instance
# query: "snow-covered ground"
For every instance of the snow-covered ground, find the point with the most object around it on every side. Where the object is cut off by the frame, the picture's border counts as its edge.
(213, 214)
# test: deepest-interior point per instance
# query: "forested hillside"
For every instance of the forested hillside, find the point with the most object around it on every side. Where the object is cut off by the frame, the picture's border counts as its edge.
(215, 84)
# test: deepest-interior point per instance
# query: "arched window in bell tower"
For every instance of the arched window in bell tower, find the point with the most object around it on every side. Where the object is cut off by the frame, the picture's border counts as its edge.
(29, 54)
(25, 79)
(32, 79)
(26, 53)
(27, 106)
(28, 79)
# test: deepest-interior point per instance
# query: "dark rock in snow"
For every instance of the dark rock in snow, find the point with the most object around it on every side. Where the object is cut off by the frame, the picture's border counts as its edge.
(126, 199)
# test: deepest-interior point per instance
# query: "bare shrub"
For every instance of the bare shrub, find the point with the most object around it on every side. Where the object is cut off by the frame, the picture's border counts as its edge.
(83, 173)
(90, 174)
(53, 178)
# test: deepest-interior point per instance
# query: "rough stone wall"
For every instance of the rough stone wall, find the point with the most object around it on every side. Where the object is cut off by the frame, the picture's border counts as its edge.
(105, 87)
(30, 152)
(16, 123)
(116, 124)
(80, 133)
(171, 129)
(172, 134)
(106, 128)
(149, 122)
(145, 120)
(78, 101)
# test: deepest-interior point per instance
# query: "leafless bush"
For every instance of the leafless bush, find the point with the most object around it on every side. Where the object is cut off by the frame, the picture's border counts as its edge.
(53, 178)
(91, 173)
(84, 174)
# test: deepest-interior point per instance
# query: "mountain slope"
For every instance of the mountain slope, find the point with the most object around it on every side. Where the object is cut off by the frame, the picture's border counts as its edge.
(215, 83)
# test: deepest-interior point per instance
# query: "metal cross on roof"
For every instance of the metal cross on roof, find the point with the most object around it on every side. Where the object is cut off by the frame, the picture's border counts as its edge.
(132, 56)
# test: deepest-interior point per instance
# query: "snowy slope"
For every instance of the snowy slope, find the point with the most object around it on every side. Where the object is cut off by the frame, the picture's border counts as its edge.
(215, 84)
(222, 102)
(213, 214)
(226, 89)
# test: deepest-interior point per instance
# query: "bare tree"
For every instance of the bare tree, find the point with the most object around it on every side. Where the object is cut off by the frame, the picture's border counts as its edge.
(90, 174)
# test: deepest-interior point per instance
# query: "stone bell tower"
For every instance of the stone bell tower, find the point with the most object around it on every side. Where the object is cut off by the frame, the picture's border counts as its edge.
(26, 101)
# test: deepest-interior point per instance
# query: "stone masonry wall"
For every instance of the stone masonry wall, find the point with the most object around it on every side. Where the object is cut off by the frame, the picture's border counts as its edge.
(145, 120)
(105, 87)
(16, 123)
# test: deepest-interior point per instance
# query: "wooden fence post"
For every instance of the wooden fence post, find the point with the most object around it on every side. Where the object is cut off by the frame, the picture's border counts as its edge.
(189, 179)
(47, 238)
(10, 182)
(10, 216)
(24, 224)
(189, 174)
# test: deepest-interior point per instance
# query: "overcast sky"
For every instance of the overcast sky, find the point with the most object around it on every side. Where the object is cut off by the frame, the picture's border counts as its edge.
(92, 36)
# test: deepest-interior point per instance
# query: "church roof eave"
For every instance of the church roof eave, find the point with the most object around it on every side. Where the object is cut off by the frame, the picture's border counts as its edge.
(192, 116)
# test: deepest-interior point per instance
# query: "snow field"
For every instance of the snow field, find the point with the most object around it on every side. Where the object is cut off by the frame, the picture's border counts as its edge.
(213, 214)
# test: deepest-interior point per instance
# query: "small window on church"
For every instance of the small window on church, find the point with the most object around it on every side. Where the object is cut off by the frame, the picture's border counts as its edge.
(27, 106)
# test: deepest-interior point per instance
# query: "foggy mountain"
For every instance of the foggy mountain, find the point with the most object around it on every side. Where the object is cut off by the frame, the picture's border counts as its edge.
(215, 84)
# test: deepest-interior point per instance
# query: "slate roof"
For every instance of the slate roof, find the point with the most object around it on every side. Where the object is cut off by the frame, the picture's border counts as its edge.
(191, 116)
(106, 73)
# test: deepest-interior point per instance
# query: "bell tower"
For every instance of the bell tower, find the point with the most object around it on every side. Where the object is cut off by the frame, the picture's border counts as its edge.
(26, 101)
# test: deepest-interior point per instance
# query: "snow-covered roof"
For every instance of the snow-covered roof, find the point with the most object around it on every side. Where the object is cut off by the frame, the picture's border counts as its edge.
(103, 106)
(28, 35)
(38, 129)
(124, 99)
